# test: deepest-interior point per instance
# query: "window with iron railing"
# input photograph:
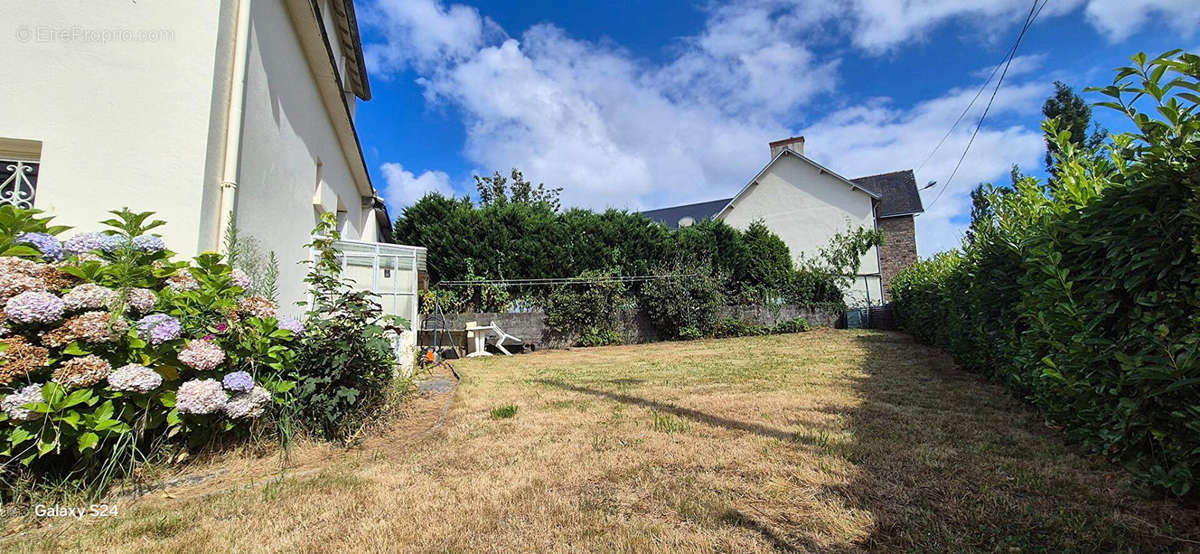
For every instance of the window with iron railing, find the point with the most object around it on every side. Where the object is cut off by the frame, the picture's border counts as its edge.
(18, 182)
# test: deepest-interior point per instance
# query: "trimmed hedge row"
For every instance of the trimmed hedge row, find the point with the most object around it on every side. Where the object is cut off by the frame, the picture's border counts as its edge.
(1083, 293)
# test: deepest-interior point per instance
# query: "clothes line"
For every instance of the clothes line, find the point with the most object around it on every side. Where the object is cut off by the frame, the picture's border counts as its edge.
(565, 280)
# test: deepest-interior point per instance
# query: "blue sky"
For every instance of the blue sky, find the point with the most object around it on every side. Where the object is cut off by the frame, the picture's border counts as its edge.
(647, 104)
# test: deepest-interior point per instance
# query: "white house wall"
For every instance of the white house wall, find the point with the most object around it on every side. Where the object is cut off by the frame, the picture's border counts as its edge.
(287, 131)
(120, 94)
(806, 208)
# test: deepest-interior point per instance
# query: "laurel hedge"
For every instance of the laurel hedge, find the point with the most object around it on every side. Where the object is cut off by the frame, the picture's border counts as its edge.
(1083, 293)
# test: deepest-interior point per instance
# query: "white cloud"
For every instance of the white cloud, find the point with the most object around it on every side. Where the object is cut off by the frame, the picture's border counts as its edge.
(880, 25)
(423, 32)
(404, 188)
(617, 131)
(1020, 65)
(878, 138)
(1120, 18)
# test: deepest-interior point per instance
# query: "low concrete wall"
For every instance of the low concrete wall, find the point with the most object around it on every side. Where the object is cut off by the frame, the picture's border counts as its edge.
(634, 326)
(817, 317)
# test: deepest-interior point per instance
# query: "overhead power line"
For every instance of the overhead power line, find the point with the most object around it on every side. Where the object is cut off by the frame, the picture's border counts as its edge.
(1034, 11)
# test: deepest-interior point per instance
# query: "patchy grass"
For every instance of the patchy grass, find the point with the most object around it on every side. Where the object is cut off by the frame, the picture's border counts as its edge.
(830, 440)
(507, 411)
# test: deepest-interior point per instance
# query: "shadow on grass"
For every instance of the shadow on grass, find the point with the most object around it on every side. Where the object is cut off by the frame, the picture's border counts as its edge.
(694, 415)
(950, 462)
(739, 519)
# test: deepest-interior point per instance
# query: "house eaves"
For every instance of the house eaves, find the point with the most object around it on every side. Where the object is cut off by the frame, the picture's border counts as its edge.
(351, 42)
(318, 50)
(803, 158)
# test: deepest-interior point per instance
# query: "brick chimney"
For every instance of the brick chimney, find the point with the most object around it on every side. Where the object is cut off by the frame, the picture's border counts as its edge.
(795, 144)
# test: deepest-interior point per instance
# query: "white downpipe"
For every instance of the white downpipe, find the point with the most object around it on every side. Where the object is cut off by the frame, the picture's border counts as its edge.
(233, 122)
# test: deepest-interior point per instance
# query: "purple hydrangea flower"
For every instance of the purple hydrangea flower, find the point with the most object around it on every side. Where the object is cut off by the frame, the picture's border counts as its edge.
(34, 307)
(49, 246)
(159, 328)
(292, 325)
(238, 381)
(84, 243)
(149, 244)
(240, 279)
(200, 396)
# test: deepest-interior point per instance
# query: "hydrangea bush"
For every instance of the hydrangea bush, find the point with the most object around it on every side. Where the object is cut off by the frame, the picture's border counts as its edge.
(111, 352)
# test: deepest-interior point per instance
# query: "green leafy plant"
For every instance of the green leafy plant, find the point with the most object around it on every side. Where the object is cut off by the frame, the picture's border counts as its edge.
(589, 309)
(1081, 293)
(345, 360)
(731, 327)
(683, 302)
(90, 387)
(595, 336)
(794, 325)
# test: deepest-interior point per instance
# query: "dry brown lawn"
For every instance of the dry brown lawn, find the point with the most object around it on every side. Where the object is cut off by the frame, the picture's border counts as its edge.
(821, 441)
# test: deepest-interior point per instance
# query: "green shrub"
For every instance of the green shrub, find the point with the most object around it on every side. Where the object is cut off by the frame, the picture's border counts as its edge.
(794, 325)
(684, 303)
(1082, 293)
(589, 309)
(595, 336)
(114, 355)
(731, 327)
(689, 333)
(446, 299)
(345, 360)
(807, 287)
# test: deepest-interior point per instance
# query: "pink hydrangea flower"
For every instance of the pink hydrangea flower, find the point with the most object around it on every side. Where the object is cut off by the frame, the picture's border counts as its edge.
(88, 296)
(248, 404)
(183, 281)
(14, 404)
(240, 279)
(201, 396)
(202, 355)
(141, 300)
(134, 378)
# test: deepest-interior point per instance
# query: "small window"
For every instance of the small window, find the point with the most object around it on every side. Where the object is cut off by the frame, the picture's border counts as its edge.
(686, 221)
(20, 162)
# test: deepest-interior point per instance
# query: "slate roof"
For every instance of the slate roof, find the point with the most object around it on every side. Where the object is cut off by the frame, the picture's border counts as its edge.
(898, 190)
(699, 211)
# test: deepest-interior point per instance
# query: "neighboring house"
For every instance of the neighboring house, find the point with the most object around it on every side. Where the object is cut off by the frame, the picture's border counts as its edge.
(806, 204)
(205, 113)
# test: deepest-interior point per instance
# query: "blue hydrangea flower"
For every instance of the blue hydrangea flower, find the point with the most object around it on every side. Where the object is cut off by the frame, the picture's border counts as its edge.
(238, 381)
(83, 243)
(149, 244)
(159, 328)
(112, 243)
(49, 246)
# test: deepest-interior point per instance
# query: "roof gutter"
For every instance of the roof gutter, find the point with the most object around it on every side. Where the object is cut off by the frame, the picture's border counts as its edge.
(235, 117)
